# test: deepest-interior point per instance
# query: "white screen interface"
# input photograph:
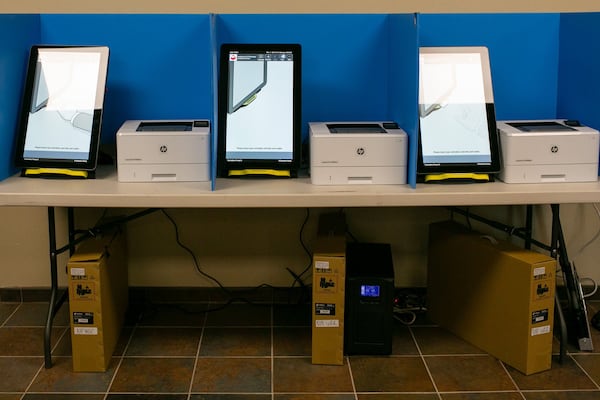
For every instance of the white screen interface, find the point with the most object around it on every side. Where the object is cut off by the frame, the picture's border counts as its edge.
(260, 107)
(62, 107)
(452, 109)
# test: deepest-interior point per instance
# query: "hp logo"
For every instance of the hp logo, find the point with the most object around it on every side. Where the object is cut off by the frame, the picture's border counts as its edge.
(163, 148)
(360, 151)
(554, 149)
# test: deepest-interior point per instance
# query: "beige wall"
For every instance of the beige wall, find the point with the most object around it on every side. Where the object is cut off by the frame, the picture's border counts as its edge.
(304, 6)
(254, 246)
(249, 247)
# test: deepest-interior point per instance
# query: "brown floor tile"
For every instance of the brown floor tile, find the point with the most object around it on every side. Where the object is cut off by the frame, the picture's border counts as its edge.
(292, 341)
(246, 342)
(402, 341)
(304, 396)
(6, 310)
(565, 376)
(468, 373)
(438, 341)
(61, 378)
(292, 315)
(164, 342)
(299, 375)
(10, 396)
(26, 341)
(591, 364)
(232, 375)
(63, 347)
(236, 345)
(571, 395)
(17, 373)
(146, 396)
(230, 397)
(35, 314)
(153, 375)
(123, 341)
(483, 396)
(190, 315)
(398, 396)
(63, 396)
(390, 374)
(240, 315)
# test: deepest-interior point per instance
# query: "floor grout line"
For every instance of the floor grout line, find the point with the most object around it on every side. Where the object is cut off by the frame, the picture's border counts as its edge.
(416, 343)
(275, 331)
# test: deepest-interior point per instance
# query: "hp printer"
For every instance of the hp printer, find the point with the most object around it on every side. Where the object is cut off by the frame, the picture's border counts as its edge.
(357, 153)
(548, 151)
(164, 151)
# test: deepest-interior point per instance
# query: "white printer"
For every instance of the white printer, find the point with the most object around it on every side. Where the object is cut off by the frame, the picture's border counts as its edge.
(548, 151)
(357, 153)
(164, 151)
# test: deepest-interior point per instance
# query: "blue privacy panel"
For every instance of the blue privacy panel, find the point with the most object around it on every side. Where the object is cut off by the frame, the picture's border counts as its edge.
(354, 67)
(524, 55)
(579, 79)
(159, 66)
(345, 59)
(17, 34)
(403, 83)
(214, 99)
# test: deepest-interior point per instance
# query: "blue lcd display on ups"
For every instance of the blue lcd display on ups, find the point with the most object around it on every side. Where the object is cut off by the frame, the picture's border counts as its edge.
(369, 290)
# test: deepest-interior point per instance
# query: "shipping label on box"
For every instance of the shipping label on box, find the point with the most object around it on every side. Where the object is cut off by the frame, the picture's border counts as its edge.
(329, 277)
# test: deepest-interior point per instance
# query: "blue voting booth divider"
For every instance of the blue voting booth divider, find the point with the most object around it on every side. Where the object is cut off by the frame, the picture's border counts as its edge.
(355, 66)
(579, 84)
(544, 66)
(17, 34)
(523, 56)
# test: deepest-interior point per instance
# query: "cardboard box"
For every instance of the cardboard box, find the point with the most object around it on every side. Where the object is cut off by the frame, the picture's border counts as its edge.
(329, 279)
(493, 294)
(98, 299)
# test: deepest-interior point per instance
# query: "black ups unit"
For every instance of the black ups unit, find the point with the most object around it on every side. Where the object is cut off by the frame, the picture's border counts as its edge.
(369, 298)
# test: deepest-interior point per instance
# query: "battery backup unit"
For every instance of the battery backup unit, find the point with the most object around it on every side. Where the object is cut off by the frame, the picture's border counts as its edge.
(369, 298)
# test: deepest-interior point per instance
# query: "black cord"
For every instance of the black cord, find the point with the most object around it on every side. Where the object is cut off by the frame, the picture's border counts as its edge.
(306, 250)
(233, 296)
(192, 254)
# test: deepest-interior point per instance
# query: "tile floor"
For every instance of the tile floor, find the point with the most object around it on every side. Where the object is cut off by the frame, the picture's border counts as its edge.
(247, 352)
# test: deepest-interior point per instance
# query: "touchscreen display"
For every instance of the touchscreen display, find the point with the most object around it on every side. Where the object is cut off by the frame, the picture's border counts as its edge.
(260, 106)
(456, 111)
(62, 107)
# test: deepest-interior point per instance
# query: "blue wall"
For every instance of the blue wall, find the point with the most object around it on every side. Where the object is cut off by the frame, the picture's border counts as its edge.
(17, 34)
(159, 65)
(345, 59)
(355, 67)
(579, 84)
(524, 54)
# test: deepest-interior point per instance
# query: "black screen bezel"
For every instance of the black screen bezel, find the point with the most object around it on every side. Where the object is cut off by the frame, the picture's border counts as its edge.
(67, 163)
(223, 165)
(494, 165)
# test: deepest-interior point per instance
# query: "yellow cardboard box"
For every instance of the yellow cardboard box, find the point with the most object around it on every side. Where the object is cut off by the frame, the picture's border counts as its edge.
(98, 299)
(328, 297)
(493, 294)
